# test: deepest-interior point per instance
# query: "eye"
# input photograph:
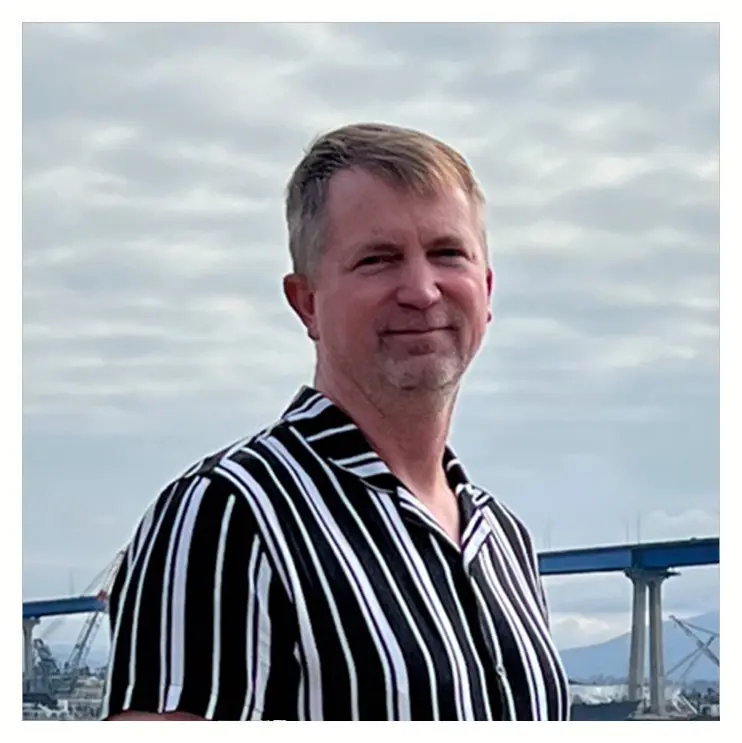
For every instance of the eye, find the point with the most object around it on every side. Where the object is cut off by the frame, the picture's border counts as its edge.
(374, 260)
(450, 252)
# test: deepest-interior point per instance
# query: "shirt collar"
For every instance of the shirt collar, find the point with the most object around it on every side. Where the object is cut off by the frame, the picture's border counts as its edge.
(333, 435)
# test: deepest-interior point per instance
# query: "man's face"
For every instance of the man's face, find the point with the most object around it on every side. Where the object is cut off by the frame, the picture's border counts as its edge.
(402, 291)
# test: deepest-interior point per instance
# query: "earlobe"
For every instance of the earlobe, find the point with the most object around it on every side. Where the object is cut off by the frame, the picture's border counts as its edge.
(301, 299)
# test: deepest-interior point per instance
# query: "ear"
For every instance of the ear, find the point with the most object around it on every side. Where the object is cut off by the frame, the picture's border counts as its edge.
(298, 292)
(490, 288)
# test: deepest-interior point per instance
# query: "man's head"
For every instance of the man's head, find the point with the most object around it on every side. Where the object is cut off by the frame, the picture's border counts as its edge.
(390, 270)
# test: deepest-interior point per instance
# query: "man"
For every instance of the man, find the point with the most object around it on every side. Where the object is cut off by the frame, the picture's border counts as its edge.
(340, 565)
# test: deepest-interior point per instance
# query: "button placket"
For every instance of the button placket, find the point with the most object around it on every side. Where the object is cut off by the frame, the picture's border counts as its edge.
(477, 542)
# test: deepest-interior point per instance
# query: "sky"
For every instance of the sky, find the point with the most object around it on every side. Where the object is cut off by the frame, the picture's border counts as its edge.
(155, 159)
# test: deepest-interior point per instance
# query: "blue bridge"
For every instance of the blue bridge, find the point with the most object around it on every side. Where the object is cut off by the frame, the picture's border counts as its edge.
(623, 558)
(647, 565)
(58, 607)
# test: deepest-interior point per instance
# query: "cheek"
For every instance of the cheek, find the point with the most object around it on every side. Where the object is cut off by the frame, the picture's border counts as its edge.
(475, 308)
(346, 319)
(472, 297)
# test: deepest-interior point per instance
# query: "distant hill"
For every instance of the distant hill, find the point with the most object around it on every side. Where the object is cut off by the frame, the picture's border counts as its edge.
(611, 659)
(608, 659)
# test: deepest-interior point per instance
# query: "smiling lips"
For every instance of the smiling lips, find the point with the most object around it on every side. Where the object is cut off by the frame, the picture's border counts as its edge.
(423, 331)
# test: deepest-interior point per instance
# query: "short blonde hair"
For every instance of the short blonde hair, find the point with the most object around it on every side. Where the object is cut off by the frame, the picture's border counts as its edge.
(404, 157)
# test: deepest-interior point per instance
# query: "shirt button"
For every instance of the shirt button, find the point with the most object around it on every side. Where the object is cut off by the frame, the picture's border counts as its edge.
(499, 670)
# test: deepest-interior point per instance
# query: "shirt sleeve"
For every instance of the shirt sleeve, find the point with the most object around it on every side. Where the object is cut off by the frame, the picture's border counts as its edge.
(191, 609)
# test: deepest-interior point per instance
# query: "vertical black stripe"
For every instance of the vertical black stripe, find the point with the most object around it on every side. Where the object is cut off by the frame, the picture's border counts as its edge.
(234, 600)
(283, 684)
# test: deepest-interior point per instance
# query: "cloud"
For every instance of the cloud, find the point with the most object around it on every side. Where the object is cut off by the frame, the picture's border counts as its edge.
(155, 160)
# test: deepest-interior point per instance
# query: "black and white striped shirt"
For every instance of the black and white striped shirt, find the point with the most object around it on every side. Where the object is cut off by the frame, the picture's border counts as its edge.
(294, 577)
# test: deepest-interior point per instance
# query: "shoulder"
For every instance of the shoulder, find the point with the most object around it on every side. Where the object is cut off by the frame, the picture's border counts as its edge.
(237, 490)
(243, 470)
(249, 462)
(215, 513)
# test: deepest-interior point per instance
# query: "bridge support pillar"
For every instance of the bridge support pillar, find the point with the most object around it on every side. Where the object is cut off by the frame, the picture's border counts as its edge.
(638, 636)
(656, 646)
(28, 664)
(651, 581)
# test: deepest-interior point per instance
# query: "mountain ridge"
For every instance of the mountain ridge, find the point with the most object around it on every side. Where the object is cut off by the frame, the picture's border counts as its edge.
(610, 659)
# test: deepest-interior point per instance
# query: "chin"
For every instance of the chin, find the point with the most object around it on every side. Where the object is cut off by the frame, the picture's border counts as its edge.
(415, 375)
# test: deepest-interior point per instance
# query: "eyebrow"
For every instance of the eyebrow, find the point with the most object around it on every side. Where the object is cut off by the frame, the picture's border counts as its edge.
(389, 243)
(447, 241)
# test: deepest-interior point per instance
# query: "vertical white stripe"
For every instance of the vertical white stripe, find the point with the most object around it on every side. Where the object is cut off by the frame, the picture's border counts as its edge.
(216, 648)
(138, 602)
(302, 692)
(129, 562)
(177, 605)
(143, 531)
(252, 601)
(164, 607)
(263, 651)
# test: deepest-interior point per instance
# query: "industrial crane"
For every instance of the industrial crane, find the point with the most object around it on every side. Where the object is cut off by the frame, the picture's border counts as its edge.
(49, 674)
(702, 648)
(92, 624)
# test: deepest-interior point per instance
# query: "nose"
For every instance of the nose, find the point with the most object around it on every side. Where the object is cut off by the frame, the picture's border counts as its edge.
(418, 284)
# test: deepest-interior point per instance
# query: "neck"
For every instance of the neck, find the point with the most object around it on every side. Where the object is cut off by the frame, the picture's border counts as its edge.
(409, 431)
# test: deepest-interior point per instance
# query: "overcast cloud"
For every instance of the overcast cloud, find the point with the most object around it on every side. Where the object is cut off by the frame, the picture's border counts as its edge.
(155, 159)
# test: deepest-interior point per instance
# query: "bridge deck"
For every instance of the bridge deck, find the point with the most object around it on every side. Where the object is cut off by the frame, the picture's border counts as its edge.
(619, 558)
(611, 559)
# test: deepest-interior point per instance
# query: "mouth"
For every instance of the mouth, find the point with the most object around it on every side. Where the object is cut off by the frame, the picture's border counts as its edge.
(425, 331)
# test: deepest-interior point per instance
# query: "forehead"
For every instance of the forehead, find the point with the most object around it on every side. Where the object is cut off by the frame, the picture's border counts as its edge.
(361, 205)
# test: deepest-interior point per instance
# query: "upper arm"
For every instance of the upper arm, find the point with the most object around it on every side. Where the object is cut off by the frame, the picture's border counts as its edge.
(191, 627)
